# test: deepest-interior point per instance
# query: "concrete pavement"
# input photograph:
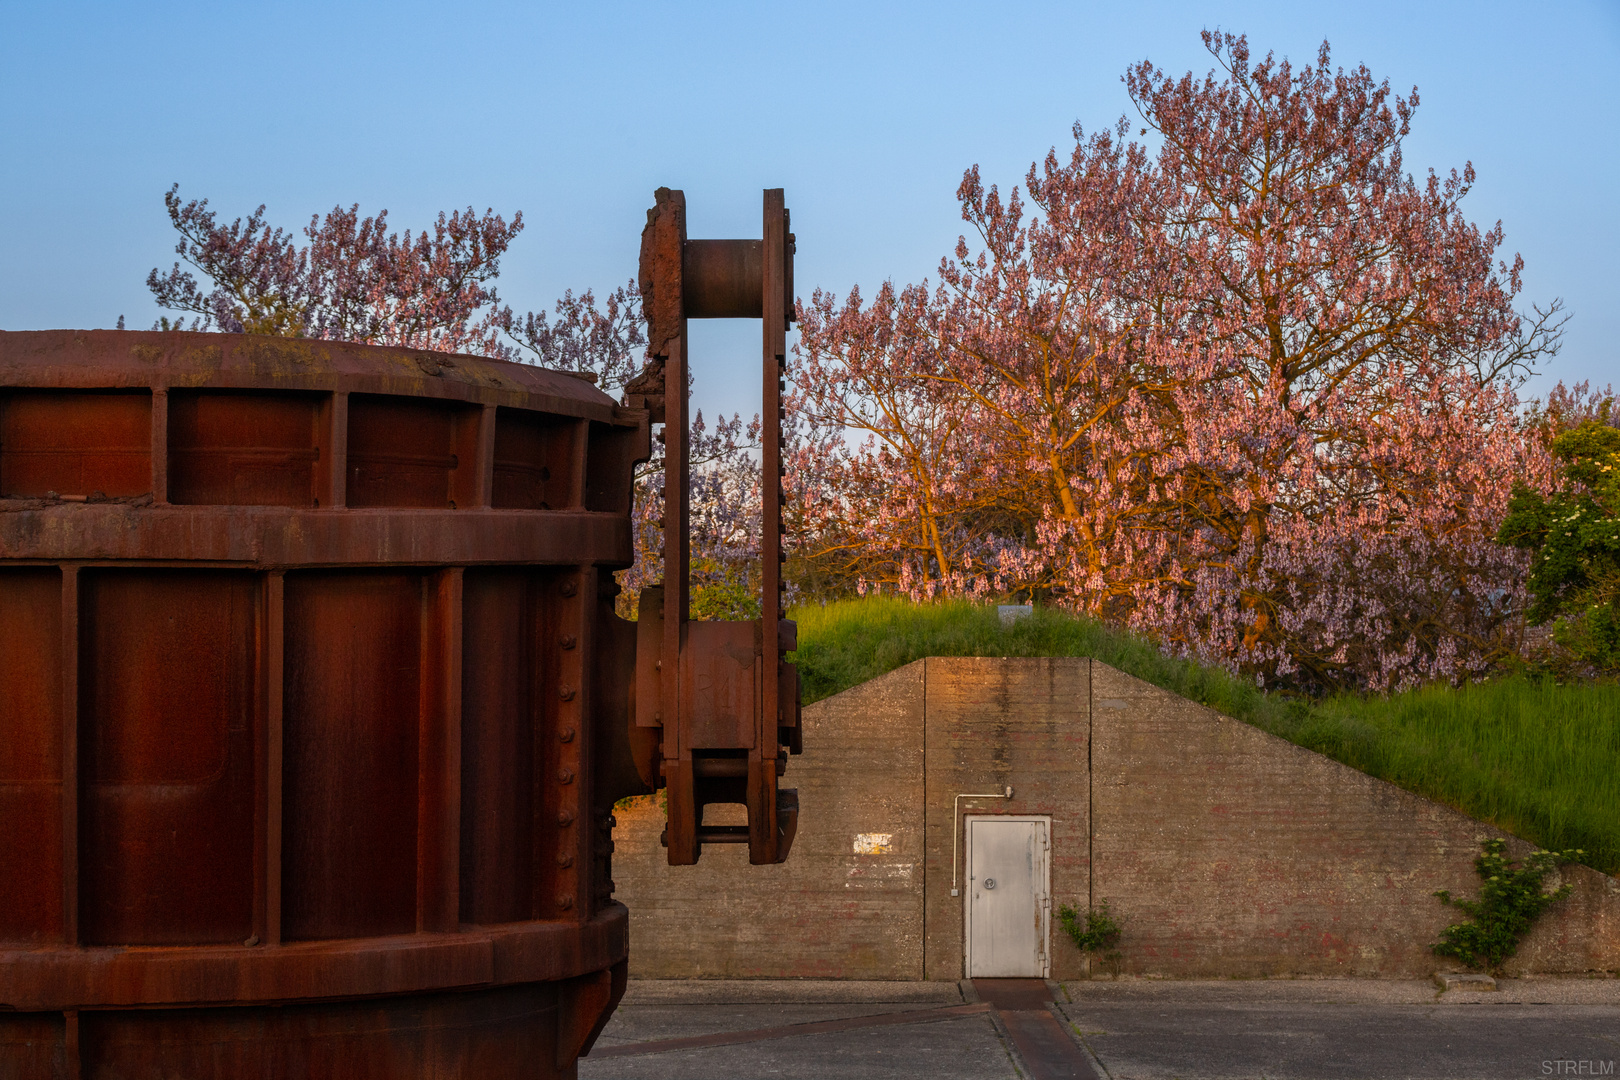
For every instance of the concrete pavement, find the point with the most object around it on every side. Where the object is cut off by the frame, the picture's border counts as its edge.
(959, 1048)
(1363, 1029)
(1126, 1030)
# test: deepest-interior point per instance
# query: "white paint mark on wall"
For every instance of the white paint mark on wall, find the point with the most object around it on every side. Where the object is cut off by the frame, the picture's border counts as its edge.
(874, 875)
(874, 843)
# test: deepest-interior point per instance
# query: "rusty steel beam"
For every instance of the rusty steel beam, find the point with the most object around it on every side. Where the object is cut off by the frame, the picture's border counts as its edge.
(721, 278)
(273, 536)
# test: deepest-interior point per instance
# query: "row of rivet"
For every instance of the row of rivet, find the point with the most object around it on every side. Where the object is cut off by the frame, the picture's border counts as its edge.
(603, 891)
(565, 772)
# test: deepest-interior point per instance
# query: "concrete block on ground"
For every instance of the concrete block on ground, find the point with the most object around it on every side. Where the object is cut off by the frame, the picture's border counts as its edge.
(1225, 851)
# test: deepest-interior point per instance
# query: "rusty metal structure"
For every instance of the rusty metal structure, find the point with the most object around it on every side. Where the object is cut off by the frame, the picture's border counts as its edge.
(718, 696)
(314, 708)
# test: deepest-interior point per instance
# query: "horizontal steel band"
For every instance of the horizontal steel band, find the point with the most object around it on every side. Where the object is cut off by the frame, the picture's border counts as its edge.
(105, 359)
(41, 979)
(267, 536)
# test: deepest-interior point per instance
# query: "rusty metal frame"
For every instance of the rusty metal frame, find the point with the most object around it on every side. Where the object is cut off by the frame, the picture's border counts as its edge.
(696, 680)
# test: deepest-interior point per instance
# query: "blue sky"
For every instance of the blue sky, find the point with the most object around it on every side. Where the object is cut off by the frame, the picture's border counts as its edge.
(866, 113)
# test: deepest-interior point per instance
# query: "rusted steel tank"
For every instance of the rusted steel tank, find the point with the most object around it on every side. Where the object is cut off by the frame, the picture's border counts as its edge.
(312, 709)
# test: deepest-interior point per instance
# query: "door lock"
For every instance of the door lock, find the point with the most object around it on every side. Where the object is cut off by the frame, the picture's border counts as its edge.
(989, 882)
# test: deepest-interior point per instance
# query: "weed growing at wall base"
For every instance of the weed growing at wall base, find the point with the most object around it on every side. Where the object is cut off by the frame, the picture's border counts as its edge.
(1094, 931)
(1510, 900)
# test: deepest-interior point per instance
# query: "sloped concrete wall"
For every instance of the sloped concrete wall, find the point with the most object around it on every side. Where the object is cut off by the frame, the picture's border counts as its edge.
(1232, 852)
(1227, 851)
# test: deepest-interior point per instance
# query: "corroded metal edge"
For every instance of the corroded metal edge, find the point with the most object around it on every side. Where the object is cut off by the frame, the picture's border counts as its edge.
(55, 978)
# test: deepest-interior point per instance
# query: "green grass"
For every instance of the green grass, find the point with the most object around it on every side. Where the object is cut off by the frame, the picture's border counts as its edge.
(1538, 759)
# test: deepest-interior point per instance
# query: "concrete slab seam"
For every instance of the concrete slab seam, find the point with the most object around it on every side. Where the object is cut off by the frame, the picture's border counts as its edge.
(1008, 1047)
(1079, 1038)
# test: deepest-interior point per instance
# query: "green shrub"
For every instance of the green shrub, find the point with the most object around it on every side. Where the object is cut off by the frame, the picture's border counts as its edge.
(1093, 931)
(1510, 900)
(1574, 537)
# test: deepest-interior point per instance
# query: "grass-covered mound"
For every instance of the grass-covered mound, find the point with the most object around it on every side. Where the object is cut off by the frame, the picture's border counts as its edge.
(1535, 758)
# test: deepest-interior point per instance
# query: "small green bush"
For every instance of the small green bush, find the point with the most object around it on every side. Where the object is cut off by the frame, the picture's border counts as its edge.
(1574, 537)
(1094, 931)
(1510, 900)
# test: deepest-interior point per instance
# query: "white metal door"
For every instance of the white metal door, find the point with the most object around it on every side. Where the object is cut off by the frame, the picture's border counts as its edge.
(1008, 883)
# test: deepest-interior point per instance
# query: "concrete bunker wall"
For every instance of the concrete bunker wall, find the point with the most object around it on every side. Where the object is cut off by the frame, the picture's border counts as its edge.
(1226, 850)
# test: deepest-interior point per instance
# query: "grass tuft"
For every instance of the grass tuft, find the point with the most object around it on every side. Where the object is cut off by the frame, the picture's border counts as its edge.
(1534, 757)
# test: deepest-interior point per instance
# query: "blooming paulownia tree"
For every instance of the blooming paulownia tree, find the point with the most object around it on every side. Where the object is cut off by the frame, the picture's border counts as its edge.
(353, 281)
(1250, 389)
